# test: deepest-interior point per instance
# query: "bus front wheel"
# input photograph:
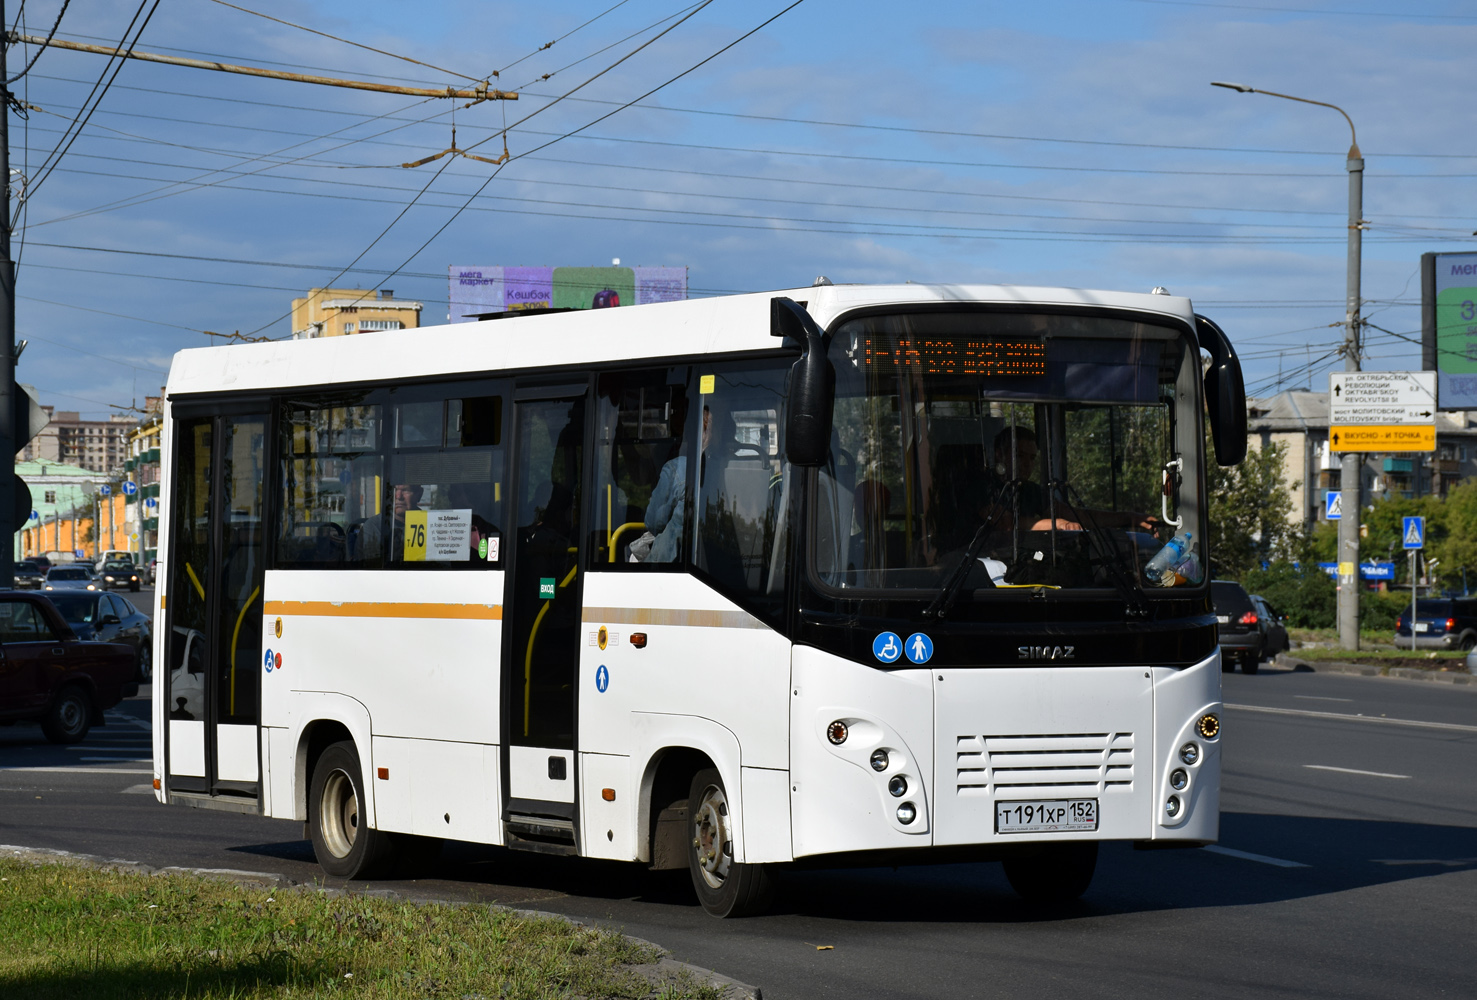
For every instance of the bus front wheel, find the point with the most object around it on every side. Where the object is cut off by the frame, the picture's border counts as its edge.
(1059, 873)
(345, 845)
(725, 887)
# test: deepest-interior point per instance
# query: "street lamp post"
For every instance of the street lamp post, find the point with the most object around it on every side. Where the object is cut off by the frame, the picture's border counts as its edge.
(1349, 476)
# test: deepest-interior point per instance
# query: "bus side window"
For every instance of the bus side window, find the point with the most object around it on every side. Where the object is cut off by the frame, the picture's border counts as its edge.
(444, 495)
(740, 480)
(642, 469)
(332, 471)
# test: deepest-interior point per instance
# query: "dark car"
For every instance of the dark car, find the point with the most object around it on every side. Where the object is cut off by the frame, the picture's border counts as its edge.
(28, 575)
(74, 577)
(1440, 623)
(119, 574)
(1240, 638)
(1273, 631)
(50, 676)
(109, 618)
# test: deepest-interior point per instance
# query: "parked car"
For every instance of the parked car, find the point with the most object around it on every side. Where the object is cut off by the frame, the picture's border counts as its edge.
(1440, 623)
(109, 618)
(119, 574)
(48, 675)
(28, 575)
(1240, 638)
(1274, 633)
(72, 577)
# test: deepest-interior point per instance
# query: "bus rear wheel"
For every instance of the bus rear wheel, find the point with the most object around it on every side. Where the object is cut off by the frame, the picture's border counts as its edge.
(1059, 873)
(725, 887)
(342, 841)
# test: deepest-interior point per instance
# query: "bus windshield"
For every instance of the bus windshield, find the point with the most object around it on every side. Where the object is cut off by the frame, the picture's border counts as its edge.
(992, 452)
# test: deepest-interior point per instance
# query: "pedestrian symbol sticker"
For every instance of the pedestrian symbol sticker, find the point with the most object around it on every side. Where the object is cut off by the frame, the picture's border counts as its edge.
(919, 647)
(271, 661)
(887, 647)
(602, 679)
(1414, 530)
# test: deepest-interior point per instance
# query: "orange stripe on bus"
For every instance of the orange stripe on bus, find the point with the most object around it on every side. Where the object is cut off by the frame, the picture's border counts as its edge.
(384, 609)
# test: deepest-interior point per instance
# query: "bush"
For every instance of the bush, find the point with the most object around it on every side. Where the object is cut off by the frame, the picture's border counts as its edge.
(1377, 612)
(1306, 596)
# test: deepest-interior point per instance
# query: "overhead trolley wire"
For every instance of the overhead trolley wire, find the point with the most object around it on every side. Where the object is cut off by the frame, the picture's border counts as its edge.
(42, 47)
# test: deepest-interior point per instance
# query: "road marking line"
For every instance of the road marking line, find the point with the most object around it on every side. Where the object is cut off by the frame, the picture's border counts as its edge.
(1350, 770)
(1231, 852)
(1343, 717)
(1314, 697)
(82, 770)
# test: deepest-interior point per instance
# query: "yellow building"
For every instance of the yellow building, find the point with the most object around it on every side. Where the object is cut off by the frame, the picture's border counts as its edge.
(335, 312)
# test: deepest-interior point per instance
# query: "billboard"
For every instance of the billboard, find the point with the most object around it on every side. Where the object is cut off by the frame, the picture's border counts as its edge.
(482, 290)
(1449, 327)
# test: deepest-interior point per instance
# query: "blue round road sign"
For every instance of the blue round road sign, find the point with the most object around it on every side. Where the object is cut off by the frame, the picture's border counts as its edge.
(130, 487)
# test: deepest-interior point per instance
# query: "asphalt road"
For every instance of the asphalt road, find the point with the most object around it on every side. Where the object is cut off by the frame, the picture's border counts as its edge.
(1347, 868)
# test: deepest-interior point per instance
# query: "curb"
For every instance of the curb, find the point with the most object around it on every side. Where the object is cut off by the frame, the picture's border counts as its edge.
(1366, 670)
(666, 969)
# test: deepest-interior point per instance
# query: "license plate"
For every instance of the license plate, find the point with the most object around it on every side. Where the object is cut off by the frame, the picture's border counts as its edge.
(1051, 816)
(1223, 619)
(1423, 626)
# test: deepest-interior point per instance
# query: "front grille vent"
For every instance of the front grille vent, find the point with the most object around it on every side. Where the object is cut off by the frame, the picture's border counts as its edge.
(1049, 765)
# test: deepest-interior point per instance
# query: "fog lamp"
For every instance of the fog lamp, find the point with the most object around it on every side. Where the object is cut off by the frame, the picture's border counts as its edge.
(1189, 753)
(837, 732)
(1172, 807)
(906, 813)
(898, 786)
(1209, 726)
(1178, 779)
(879, 760)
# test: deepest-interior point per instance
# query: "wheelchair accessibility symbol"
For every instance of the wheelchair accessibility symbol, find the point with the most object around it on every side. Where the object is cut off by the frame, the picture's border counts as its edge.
(602, 679)
(887, 647)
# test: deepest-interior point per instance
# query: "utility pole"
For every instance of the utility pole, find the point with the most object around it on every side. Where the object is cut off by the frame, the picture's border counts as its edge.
(1350, 478)
(8, 524)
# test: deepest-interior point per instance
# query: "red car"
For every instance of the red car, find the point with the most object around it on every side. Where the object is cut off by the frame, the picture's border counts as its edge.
(50, 676)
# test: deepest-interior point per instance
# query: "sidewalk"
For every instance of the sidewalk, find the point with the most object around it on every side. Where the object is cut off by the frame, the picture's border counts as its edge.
(1291, 661)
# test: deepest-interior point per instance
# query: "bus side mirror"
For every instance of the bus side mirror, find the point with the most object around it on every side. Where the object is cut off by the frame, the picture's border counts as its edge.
(810, 386)
(1225, 393)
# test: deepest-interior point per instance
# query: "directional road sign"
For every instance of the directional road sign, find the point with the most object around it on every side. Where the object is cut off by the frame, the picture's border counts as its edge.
(1413, 531)
(130, 487)
(1333, 505)
(1381, 398)
(1398, 437)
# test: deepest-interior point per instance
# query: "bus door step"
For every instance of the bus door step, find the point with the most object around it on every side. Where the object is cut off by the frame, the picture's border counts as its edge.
(540, 834)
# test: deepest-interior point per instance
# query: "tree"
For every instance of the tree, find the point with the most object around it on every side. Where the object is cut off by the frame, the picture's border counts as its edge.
(1249, 508)
(1304, 594)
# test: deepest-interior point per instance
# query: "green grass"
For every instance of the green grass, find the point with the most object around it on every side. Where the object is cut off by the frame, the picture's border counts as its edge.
(1426, 659)
(69, 931)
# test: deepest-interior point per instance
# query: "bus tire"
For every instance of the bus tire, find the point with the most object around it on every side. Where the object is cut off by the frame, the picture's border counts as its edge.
(69, 717)
(1059, 873)
(344, 844)
(724, 887)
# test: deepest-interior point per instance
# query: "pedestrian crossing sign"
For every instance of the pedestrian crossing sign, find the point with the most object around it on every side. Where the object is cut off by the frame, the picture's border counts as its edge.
(1413, 530)
(1333, 505)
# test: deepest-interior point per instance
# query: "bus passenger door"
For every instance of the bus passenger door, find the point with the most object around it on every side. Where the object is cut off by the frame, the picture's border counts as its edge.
(541, 610)
(213, 606)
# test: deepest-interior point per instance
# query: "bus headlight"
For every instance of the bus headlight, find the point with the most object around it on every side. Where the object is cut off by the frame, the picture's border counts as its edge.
(1178, 779)
(898, 786)
(879, 760)
(1172, 807)
(906, 813)
(1208, 726)
(1189, 753)
(837, 732)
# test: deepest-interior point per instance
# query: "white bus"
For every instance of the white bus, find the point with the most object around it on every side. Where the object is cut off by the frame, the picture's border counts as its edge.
(839, 575)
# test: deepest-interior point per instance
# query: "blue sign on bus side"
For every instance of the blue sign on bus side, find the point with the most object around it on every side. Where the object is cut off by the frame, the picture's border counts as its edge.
(919, 647)
(887, 647)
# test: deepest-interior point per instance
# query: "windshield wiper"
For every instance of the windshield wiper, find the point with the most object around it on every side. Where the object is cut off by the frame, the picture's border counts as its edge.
(1126, 582)
(949, 592)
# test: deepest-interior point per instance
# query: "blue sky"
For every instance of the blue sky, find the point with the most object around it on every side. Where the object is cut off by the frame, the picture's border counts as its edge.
(1057, 143)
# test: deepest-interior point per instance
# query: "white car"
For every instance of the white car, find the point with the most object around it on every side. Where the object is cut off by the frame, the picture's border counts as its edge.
(73, 577)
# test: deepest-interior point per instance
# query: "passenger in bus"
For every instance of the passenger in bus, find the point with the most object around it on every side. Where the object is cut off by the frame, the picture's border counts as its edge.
(666, 512)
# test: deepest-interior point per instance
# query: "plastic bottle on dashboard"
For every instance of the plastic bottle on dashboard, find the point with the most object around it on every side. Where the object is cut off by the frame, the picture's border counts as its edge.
(1168, 557)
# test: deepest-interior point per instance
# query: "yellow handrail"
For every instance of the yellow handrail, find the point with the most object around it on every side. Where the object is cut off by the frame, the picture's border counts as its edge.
(195, 580)
(528, 656)
(235, 635)
(616, 537)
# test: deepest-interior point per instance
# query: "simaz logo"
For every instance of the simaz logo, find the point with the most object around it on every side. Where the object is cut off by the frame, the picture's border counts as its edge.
(1046, 652)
